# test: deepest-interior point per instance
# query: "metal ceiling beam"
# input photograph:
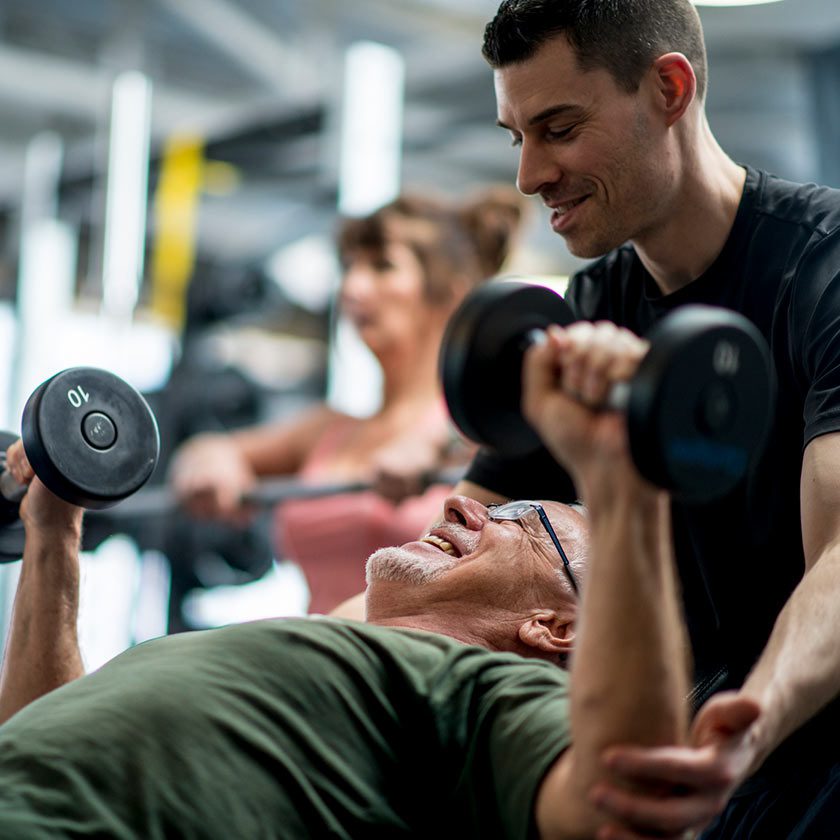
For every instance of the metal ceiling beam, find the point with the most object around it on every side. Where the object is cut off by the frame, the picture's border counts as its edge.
(797, 23)
(36, 81)
(416, 15)
(255, 47)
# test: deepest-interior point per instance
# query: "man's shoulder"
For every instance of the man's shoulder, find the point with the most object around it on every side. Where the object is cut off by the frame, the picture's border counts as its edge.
(452, 656)
(809, 205)
(795, 240)
(320, 649)
(317, 630)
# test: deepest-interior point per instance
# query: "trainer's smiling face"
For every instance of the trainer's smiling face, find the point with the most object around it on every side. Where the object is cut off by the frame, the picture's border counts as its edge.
(476, 564)
(593, 152)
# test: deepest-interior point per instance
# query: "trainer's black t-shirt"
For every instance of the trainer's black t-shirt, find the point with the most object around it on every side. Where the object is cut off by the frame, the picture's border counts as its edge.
(739, 557)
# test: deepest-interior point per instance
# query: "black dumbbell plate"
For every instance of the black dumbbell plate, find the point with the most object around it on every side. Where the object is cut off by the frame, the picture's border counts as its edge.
(701, 403)
(90, 437)
(481, 360)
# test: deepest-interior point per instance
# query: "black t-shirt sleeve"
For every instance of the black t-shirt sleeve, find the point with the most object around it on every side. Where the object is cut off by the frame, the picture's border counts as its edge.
(533, 476)
(815, 332)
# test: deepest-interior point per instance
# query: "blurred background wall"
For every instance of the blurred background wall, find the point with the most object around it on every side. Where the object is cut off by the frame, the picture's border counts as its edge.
(254, 90)
(171, 173)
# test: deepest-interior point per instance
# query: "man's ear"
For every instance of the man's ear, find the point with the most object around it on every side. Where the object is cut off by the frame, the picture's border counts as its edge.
(676, 85)
(549, 633)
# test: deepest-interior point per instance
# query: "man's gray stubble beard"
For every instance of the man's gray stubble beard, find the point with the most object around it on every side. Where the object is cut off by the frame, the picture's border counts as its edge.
(399, 565)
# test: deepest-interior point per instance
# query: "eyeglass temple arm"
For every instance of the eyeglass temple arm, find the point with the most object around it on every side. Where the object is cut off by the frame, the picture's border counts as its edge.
(547, 525)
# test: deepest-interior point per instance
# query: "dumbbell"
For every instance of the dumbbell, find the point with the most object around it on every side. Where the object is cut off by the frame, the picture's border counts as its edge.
(698, 408)
(91, 439)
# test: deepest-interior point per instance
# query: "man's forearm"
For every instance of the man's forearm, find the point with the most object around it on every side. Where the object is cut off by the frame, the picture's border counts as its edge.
(799, 670)
(630, 669)
(42, 651)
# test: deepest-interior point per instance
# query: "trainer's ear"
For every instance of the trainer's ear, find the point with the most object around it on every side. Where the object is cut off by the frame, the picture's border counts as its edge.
(676, 85)
(549, 633)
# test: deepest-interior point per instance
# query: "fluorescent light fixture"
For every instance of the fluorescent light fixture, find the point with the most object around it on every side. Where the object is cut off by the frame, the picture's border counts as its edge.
(369, 176)
(126, 199)
(46, 287)
(733, 2)
(46, 275)
(371, 127)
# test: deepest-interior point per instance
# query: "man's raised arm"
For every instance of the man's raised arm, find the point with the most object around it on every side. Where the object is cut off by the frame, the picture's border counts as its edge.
(42, 651)
(629, 673)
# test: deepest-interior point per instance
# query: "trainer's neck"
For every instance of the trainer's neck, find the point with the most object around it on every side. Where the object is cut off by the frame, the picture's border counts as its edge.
(699, 222)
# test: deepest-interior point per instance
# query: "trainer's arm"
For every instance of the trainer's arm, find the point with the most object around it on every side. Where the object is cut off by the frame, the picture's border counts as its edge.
(799, 670)
(796, 675)
(629, 674)
(42, 649)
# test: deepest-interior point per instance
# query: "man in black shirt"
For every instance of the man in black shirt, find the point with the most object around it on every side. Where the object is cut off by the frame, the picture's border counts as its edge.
(605, 101)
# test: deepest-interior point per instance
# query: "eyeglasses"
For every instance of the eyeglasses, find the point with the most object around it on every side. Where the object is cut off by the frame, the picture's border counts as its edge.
(512, 511)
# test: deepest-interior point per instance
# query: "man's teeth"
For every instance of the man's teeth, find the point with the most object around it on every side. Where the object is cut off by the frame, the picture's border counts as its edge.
(443, 545)
(564, 208)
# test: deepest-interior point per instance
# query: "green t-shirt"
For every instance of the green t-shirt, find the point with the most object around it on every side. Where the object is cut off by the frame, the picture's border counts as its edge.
(288, 728)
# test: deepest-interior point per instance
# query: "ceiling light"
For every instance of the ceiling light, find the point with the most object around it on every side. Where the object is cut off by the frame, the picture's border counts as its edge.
(126, 193)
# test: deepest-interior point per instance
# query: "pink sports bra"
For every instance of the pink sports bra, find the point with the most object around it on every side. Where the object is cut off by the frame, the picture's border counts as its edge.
(330, 538)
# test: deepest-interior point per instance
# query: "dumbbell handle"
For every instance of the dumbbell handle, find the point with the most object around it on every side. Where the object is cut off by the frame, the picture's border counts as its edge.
(618, 396)
(157, 501)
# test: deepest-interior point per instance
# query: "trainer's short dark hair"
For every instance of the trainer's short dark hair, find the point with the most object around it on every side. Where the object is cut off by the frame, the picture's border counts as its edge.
(623, 37)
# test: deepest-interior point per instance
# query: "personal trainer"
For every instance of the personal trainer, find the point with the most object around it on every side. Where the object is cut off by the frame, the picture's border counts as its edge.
(605, 102)
(446, 712)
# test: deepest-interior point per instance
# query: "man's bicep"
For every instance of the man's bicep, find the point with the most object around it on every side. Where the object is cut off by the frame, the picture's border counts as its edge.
(820, 496)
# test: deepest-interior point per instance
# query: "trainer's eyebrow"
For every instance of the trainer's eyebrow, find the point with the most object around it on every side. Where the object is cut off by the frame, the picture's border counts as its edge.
(546, 114)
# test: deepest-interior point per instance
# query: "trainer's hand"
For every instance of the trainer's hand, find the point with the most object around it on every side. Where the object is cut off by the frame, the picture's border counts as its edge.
(566, 381)
(210, 476)
(677, 791)
(41, 511)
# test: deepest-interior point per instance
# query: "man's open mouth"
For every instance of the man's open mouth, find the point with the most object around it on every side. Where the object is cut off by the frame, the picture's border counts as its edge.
(444, 545)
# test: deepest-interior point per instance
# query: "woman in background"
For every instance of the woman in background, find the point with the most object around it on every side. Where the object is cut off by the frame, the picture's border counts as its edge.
(406, 267)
